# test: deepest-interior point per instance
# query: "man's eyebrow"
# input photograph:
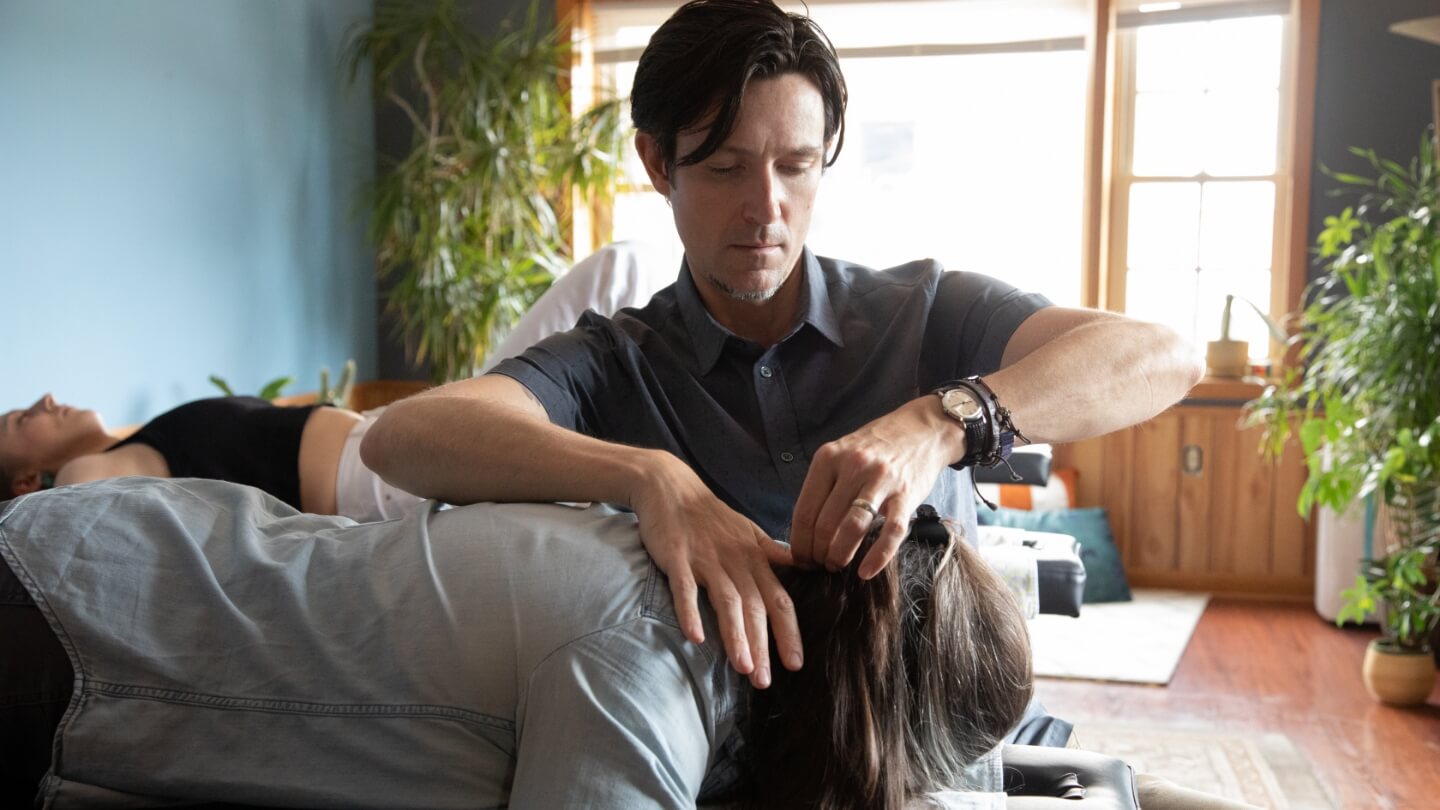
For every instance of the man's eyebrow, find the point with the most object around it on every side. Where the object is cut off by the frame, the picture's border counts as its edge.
(796, 152)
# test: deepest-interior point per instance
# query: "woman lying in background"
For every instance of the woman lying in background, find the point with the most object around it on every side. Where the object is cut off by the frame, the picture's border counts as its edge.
(490, 655)
(308, 457)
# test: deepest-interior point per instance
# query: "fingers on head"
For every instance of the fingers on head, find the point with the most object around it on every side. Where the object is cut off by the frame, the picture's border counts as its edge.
(818, 482)
(892, 534)
(786, 629)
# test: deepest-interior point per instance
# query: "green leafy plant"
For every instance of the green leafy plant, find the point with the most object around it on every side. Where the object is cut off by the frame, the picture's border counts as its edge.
(269, 391)
(1400, 586)
(1275, 329)
(336, 396)
(339, 396)
(471, 225)
(1365, 401)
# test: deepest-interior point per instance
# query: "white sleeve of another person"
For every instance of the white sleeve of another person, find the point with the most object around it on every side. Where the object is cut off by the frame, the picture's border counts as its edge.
(618, 275)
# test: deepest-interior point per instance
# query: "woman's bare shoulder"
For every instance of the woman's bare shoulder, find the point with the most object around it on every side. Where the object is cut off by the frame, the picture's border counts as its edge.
(132, 459)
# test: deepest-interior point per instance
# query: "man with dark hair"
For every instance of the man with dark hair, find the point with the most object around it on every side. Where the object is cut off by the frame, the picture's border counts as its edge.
(769, 392)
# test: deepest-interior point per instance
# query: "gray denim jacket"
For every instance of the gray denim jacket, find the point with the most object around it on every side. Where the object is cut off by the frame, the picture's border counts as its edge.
(226, 647)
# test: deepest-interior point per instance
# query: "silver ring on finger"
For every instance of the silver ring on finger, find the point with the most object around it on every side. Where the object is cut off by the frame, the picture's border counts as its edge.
(861, 503)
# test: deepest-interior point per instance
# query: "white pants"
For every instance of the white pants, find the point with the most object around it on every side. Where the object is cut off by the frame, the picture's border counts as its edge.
(360, 493)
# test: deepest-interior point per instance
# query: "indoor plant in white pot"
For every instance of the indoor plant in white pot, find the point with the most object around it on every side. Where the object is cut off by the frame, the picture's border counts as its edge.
(1365, 399)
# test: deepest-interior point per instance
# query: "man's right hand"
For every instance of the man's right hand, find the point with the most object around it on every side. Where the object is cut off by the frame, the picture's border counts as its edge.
(699, 542)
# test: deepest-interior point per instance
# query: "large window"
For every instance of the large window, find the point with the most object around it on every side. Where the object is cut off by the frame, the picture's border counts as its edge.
(1198, 173)
(965, 139)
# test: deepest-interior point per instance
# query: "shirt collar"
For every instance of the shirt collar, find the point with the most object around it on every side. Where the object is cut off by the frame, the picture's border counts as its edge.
(708, 337)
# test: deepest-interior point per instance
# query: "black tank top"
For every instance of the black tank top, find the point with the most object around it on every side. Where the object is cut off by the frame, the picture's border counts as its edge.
(241, 439)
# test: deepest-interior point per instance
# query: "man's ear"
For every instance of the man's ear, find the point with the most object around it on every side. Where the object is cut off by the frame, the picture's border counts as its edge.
(24, 483)
(654, 161)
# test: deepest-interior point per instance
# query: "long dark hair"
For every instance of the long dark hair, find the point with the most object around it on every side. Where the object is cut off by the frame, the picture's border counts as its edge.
(909, 678)
(702, 58)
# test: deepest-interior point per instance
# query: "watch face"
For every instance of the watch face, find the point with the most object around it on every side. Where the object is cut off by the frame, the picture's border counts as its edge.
(959, 404)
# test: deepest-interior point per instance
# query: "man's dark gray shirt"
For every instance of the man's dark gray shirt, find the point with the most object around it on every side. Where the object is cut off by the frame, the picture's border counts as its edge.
(748, 419)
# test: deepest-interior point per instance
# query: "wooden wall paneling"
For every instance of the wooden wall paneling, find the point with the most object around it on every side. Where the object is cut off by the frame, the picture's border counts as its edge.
(1156, 487)
(1225, 520)
(1087, 458)
(1289, 532)
(1196, 509)
(1118, 450)
(1253, 501)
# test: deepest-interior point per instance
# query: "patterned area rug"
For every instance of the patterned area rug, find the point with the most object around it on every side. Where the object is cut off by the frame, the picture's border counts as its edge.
(1132, 642)
(1265, 770)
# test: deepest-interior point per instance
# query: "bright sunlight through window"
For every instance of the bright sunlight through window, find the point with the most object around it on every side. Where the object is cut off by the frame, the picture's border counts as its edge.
(965, 138)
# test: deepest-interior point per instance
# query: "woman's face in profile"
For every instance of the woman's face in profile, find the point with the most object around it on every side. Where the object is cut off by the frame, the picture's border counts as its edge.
(45, 435)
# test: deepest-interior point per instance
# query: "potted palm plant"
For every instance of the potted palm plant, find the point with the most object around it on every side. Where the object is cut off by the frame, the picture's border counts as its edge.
(1365, 401)
(472, 224)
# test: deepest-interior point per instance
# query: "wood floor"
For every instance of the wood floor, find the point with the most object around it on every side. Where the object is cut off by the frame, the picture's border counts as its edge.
(1269, 666)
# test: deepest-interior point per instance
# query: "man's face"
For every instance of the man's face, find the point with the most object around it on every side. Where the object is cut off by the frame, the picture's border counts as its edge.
(744, 212)
(46, 434)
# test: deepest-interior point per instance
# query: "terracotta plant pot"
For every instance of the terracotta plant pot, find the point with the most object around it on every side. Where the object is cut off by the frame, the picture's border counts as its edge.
(1398, 677)
(1227, 358)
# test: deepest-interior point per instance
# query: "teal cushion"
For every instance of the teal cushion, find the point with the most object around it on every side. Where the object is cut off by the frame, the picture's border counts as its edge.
(1104, 575)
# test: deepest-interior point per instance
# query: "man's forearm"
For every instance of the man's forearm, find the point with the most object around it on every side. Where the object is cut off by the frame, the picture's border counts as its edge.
(480, 444)
(1096, 378)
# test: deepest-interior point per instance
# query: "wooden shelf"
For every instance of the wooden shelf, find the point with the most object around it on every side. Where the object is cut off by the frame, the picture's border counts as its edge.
(1219, 389)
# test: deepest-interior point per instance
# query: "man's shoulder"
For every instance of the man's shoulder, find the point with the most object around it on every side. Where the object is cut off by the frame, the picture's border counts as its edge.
(859, 277)
(654, 315)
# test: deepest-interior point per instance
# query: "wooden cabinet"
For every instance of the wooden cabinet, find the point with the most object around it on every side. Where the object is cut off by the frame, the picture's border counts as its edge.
(1194, 505)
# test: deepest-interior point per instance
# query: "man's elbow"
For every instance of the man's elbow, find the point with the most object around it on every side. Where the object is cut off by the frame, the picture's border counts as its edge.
(1179, 359)
(375, 444)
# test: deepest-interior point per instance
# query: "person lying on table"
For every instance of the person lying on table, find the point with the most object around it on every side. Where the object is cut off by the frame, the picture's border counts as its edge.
(192, 641)
(307, 456)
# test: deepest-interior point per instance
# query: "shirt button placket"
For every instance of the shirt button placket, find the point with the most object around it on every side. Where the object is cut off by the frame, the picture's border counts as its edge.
(778, 413)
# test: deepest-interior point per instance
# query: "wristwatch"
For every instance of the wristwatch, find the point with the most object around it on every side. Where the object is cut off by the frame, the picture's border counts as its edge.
(959, 403)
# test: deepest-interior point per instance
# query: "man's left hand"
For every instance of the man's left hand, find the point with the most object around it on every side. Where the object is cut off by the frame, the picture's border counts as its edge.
(891, 464)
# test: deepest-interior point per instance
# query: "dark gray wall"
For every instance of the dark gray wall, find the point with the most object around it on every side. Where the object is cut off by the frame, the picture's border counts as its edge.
(392, 138)
(1372, 90)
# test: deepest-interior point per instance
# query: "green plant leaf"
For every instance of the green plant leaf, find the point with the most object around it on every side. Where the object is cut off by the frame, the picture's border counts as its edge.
(471, 225)
(271, 390)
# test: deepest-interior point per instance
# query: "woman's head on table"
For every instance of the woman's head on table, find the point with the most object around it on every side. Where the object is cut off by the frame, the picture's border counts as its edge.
(909, 678)
(36, 441)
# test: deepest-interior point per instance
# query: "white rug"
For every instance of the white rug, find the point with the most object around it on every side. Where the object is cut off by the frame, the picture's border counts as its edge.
(1132, 642)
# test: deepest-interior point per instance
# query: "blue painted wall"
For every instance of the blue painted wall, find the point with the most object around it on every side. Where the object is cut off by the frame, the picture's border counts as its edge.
(176, 182)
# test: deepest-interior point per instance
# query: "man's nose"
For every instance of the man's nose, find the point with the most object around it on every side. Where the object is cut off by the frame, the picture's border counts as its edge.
(762, 199)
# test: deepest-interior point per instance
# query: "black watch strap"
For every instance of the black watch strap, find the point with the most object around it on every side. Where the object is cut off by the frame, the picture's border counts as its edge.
(993, 441)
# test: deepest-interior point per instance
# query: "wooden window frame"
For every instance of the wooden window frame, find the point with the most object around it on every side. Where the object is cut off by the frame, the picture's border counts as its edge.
(1106, 270)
